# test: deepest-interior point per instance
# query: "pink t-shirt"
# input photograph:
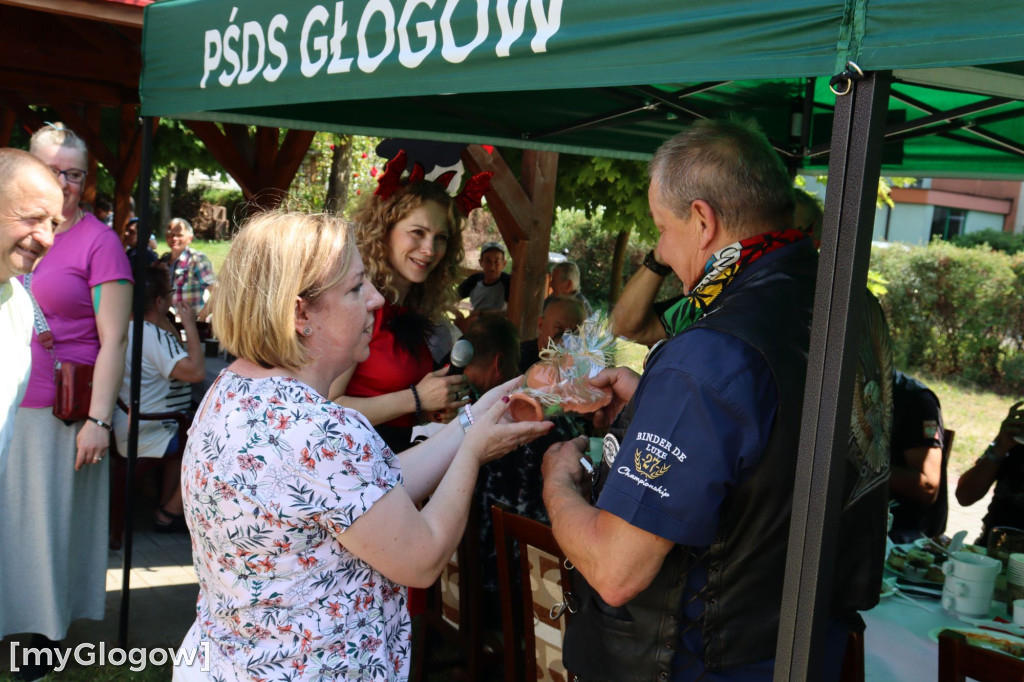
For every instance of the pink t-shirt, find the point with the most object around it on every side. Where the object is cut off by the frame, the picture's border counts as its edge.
(85, 256)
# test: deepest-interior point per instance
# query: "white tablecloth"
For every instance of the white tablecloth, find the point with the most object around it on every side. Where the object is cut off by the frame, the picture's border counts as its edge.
(896, 643)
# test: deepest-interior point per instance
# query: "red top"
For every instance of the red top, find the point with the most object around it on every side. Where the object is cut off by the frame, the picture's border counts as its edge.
(390, 367)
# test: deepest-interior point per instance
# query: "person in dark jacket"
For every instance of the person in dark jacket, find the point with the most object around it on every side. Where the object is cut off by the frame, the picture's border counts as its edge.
(680, 558)
(918, 469)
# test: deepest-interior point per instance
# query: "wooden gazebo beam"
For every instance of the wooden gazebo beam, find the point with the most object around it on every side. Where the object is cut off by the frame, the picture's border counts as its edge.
(123, 14)
(262, 168)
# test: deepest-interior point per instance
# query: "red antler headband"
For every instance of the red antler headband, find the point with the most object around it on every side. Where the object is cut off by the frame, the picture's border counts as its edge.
(390, 181)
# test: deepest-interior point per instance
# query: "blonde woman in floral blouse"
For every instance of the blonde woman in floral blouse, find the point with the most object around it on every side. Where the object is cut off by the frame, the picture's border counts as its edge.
(304, 524)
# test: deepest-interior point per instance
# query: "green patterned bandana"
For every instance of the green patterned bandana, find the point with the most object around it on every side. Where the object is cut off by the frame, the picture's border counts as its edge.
(721, 269)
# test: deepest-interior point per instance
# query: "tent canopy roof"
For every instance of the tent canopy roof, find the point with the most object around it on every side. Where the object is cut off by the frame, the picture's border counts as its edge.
(599, 77)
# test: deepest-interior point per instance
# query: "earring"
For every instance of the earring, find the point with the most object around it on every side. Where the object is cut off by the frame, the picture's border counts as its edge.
(307, 331)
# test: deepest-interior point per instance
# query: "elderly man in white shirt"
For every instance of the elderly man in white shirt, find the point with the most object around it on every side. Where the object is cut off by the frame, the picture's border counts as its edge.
(31, 204)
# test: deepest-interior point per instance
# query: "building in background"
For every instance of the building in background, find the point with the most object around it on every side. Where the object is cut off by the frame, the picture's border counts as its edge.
(945, 207)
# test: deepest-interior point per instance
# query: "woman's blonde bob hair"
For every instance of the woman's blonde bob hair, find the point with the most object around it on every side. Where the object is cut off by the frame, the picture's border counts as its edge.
(276, 257)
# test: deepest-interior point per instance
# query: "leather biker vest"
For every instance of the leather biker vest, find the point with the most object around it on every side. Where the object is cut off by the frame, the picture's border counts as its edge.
(770, 310)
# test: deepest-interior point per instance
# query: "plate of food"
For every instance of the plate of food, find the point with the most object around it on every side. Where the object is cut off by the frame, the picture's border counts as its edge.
(989, 639)
(933, 545)
(916, 564)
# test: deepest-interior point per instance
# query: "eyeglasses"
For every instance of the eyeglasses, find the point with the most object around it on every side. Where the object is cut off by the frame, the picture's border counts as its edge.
(73, 175)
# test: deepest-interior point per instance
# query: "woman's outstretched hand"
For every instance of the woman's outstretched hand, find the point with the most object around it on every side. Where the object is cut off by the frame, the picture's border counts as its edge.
(492, 435)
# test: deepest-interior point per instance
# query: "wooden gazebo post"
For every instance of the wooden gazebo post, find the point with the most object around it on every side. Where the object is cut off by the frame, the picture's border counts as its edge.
(524, 210)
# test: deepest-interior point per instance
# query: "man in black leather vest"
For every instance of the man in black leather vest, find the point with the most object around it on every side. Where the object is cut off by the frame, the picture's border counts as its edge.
(680, 560)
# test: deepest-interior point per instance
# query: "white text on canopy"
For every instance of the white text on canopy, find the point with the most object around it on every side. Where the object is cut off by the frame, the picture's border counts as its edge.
(242, 52)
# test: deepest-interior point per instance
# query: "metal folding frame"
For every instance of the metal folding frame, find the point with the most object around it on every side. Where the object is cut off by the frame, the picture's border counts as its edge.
(854, 168)
(135, 385)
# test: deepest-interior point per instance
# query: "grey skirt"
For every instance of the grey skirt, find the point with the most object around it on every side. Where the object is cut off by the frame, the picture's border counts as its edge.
(53, 529)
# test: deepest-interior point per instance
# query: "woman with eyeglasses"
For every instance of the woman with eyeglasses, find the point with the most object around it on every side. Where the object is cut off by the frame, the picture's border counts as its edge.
(54, 494)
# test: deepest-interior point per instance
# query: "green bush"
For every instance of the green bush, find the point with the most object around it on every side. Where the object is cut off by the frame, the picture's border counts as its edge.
(1007, 242)
(953, 310)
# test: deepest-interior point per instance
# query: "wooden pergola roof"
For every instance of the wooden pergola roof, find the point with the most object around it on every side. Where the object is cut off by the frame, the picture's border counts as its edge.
(81, 51)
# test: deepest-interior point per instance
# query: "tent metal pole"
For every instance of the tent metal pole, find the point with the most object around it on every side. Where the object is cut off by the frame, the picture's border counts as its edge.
(138, 312)
(850, 197)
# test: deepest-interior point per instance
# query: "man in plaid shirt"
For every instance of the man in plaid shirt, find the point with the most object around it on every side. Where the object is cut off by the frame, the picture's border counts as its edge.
(191, 271)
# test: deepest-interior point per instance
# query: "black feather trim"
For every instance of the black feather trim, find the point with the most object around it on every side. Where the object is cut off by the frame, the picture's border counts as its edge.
(411, 331)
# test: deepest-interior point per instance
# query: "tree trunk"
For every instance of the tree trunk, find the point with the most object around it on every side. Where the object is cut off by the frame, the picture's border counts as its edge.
(180, 182)
(178, 193)
(618, 260)
(165, 207)
(337, 184)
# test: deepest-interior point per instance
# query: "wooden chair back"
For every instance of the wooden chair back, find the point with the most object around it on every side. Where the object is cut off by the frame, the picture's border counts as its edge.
(853, 660)
(959, 659)
(453, 612)
(119, 469)
(532, 636)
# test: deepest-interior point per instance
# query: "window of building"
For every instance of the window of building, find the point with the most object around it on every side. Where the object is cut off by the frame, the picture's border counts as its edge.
(948, 222)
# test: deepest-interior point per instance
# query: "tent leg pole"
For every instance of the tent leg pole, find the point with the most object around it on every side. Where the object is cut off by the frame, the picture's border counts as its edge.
(854, 167)
(135, 387)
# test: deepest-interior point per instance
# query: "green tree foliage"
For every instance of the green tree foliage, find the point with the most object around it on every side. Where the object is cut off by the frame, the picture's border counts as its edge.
(176, 147)
(885, 185)
(614, 188)
(953, 310)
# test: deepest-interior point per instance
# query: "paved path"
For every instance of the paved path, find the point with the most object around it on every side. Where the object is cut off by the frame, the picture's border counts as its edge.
(162, 601)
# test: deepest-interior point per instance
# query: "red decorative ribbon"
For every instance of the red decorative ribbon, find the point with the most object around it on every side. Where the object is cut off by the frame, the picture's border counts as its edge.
(390, 181)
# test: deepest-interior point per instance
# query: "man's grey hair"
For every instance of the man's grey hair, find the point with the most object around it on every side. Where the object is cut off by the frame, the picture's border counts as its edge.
(569, 271)
(13, 161)
(184, 224)
(731, 165)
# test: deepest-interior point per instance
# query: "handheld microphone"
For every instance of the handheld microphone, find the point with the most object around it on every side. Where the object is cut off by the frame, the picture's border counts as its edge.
(462, 355)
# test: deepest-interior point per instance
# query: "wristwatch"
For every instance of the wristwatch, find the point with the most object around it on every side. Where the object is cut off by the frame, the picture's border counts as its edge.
(654, 266)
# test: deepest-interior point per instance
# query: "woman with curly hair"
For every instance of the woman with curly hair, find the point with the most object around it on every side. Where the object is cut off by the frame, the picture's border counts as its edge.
(410, 239)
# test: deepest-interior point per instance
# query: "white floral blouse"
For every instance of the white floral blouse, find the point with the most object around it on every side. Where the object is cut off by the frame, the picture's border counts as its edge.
(272, 477)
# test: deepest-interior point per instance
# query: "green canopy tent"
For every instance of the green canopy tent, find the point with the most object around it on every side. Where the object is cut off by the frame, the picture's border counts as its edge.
(597, 77)
(943, 87)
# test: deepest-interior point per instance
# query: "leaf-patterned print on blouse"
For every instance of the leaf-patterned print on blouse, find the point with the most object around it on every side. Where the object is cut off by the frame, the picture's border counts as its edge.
(273, 476)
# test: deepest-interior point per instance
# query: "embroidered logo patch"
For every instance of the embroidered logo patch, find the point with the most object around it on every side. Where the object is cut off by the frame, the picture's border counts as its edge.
(649, 465)
(930, 428)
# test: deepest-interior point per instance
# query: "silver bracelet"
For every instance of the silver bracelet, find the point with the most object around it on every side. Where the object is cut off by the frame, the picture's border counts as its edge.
(465, 418)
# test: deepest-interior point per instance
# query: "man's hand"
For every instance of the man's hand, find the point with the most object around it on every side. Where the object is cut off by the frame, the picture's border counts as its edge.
(562, 462)
(623, 382)
(1012, 426)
